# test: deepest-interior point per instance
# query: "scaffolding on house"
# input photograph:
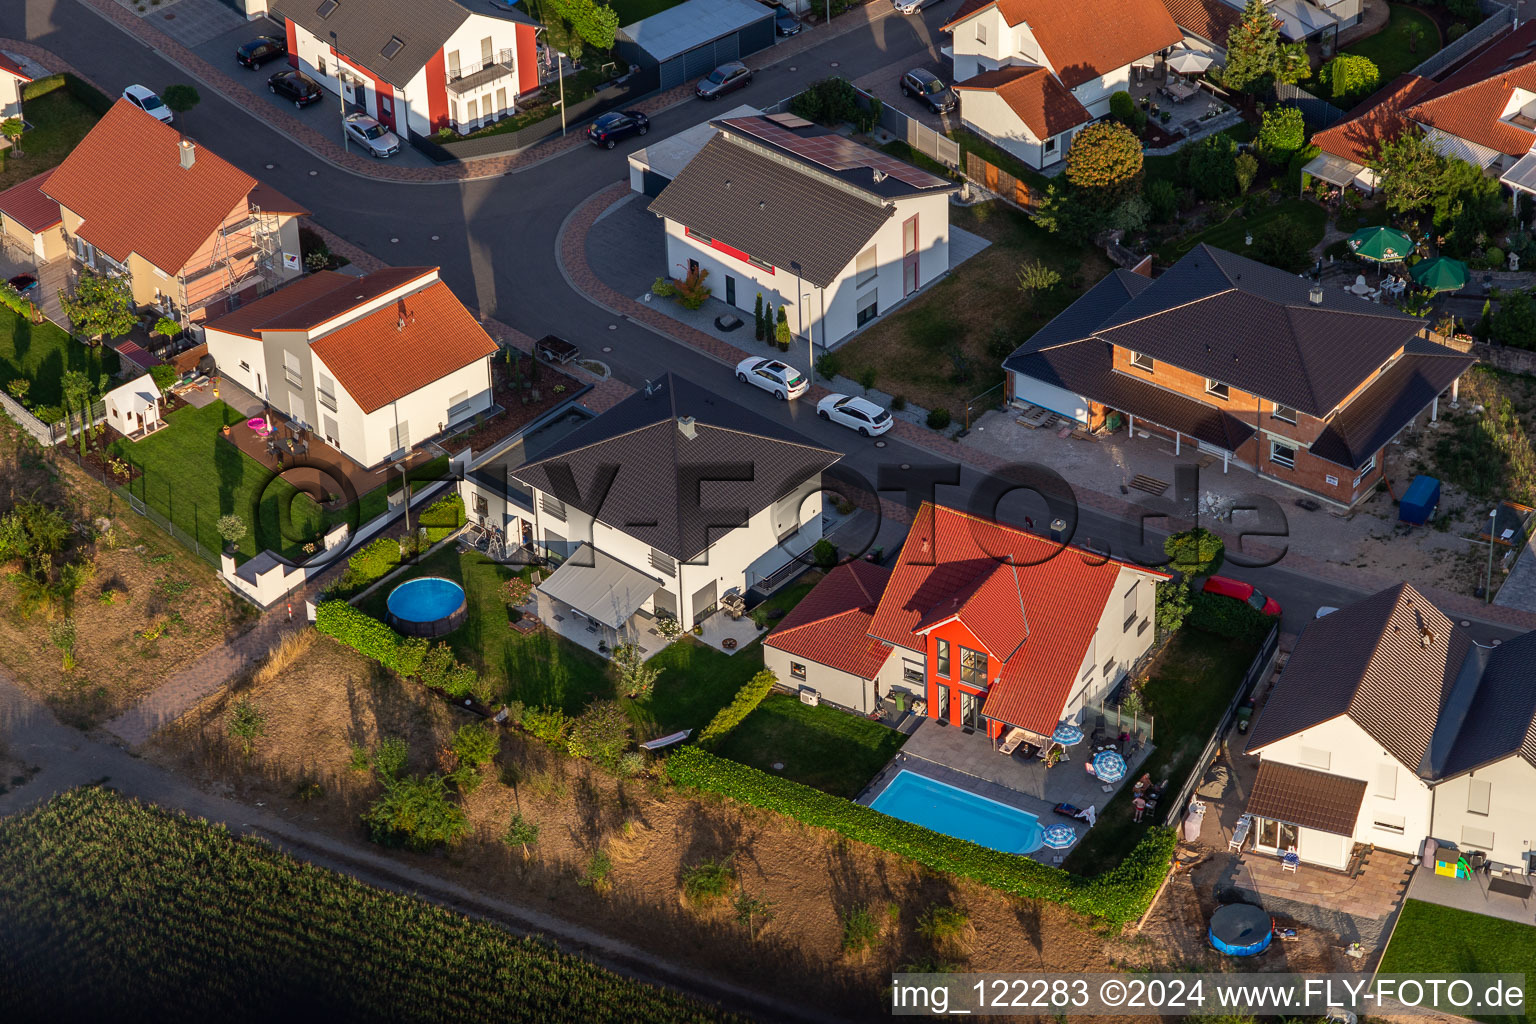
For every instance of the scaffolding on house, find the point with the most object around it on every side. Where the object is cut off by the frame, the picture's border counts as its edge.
(253, 239)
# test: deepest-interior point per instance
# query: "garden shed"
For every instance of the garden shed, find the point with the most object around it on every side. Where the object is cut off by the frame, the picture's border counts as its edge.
(134, 408)
(695, 37)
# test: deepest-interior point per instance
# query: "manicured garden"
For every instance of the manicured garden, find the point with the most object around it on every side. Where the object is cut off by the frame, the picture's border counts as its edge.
(40, 354)
(821, 747)
(1187, 691)
(1410, 37)
(1232, 233)
(1431, 939)
(131, 913)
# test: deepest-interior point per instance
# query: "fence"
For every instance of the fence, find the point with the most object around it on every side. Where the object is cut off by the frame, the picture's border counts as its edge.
(68, 428)
(914, 133)
(998, 181)
(1316, 111)
(1499, 19)
(40, 431)
(1261, 665)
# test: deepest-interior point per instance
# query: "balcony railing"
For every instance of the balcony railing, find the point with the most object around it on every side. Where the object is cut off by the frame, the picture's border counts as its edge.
(501, 60)
(326, 399)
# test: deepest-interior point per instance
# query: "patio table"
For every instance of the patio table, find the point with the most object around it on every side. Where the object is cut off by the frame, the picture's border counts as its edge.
(1509, 887)
(1180, 91)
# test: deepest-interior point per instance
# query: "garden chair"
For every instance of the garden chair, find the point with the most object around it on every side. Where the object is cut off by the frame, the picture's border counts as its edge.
(1291, 861)
(1240, 834)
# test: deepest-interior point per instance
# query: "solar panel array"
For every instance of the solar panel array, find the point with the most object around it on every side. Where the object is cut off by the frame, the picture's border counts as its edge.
(833, 151)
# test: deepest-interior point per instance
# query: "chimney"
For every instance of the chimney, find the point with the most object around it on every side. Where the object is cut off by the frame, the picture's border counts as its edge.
(1315, 296)
(1426, 636)
(188, 154)
(686, 427)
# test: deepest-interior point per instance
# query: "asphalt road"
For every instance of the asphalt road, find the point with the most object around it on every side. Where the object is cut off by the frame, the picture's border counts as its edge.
(495, 239)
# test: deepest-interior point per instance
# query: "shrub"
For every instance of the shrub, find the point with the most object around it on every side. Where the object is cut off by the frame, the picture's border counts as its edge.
(1283, 243)
(1283, 132)
(1349, 77)
(943, 925)
(938, 419)
(743, 704)
(247, 723)
(1036, 276)
(1119, 894)
(1245, 168)
(374, 560)
(632, 763)
(1195, 552)
(416, 813)
(1299, 159)
(1105, 159)
(440, 670)
(691, 290)
(476, 744)
(231, 527)
(861, 929)
(595, 877)
(828, 366)
(601, 732)
(1162, 198)
(663, 288)
(391, 757)
(547, 724)
(781, 333)
(443, 516)
(824, 554)
(708, 880)
(636, 678)
(1173, 604)
(1228, 617)
(1123, 109)
(830, 101)
(521, 833)
(1213, 166)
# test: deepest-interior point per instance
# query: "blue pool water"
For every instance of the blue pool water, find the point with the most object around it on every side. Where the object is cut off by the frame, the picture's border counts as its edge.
(954, 812)
(425, 599)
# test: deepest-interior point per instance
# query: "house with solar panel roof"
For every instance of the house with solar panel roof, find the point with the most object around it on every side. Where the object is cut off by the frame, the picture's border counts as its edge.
(833, 232)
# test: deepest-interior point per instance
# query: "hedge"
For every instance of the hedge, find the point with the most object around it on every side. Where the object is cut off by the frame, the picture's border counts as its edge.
(1120, 894)
(1228, 617)
(363, 633)
(443, 516)
(743, 704)
(92, 98)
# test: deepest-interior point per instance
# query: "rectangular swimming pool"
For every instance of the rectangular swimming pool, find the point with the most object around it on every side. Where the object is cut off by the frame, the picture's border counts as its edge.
(954, 812)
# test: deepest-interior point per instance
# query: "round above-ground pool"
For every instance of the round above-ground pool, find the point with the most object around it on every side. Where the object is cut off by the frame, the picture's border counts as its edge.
(426, 606)
(1241, 929)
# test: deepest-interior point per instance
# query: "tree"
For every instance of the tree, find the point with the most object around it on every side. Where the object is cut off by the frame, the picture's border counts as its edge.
(1065, 212)
(62, 634)
(1105, 161)
(416, 813)
(1162, 198)
(1131, 216)
(1034, 276)
(180, 97)
(757, 316)
(247, 723)
(1245, 168)
(232, 528)
(1514, 323)
(1195, 552)
(1213, 166)
(768, 328)
(75, 389)
(1283, 132)
(595, 23)
(11, 128)
(1173, 605)
(1253, 49)
(636, 678)
(99, 306)
(1292, 64)
(781, 331)
(1349, 77)
(1283, 243)
(521, 832)
(601, 733)
(1123, 109)
(164, 375)
(166, 327)
(1409, 169)
(752, 911)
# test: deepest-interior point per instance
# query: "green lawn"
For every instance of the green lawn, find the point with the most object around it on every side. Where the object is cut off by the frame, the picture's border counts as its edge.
(821, 746)
(1191, 684)
(783, 600)
(1388, 49)
(41, 353)
(631, 11)
(1231, 234)
(1432, 939)
(695, 682)
(59, 121)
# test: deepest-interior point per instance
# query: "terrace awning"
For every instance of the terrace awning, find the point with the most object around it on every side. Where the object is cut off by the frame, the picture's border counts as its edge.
(1522, 175)
(1338, 171)
(600, 586)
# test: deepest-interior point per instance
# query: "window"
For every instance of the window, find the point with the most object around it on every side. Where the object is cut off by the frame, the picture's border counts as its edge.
(392, 47)
(331, 430)
(911, 672)
(1282, 454)
(320, 66)
(1143, 362)
(797, 670)
(552, 507)
(459, 407)
(981, 33)
(941, 657)
(1479, 793)
(245, 366)
(386, 105)
(1109, 670)
(1481, 838)
(1314, 758)
(973, 667)
(1394, 823)
(292, 370)
(472, 109)
(909, 235)
(1216, 389)
(866, 269)
(327, 8)
(663, 562)
(400, 437)
(327, 390)
(1386, 781)
(1365, 470)
(1145, 625)
(1130, 605)
(869, 312)
(501, 101)
(453, 65)
(1050, 144)
(1284, 412)
(482, 507)
(487, 51)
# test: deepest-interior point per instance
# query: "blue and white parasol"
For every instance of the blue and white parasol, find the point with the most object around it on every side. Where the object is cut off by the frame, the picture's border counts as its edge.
(1067, 734)
(1059, 837)
(1109, 766)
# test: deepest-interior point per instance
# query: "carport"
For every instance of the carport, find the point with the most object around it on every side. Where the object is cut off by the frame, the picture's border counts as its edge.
(693, 38)
(652, 169)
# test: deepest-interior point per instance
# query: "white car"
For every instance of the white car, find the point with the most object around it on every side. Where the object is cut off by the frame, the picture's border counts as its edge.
(773, 375)
(372, 136)
(148, 102)
(856, 413)
(911, 6)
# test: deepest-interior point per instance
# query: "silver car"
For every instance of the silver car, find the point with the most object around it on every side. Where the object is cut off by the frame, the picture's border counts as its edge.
(372, 136)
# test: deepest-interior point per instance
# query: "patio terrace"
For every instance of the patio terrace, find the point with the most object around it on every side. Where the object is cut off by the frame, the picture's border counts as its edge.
(1473, 894)
(1150, 87)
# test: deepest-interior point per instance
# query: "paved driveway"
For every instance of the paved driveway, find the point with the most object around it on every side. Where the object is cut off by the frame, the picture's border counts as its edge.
(885, 83)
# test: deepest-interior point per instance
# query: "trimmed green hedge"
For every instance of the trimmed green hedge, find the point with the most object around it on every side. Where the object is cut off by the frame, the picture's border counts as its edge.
(743, 704)
(1228, 617)
(1121, 894)
(363, 633)
(94, 99)
(443, 516)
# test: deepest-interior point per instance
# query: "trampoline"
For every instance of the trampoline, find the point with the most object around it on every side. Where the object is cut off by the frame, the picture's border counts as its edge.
(1241, 929)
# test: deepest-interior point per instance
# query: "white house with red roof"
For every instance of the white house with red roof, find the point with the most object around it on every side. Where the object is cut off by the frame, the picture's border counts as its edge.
(1030, 73)
(374, 364)
(995, 627)
(12, 78)
(417, 65)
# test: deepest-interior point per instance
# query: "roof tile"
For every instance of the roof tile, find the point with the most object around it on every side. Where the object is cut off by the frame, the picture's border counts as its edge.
(1305, 797)
(1088, 38)
(1034, 94)
(29, 206)
(830, 625)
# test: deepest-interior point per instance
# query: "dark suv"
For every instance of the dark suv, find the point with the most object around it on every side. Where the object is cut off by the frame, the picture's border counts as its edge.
(615, 125)
(296, 86)
(260, 50)
(929, 88)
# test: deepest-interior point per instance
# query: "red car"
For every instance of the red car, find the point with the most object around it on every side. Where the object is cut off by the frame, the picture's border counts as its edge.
(1240, 591)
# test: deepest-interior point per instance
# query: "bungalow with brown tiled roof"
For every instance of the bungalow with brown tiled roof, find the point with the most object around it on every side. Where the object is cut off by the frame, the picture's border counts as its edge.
(373, 364)
(193, 234)
(1350, 148)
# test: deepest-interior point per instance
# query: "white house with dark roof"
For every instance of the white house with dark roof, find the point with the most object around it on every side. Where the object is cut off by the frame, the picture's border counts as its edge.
(660, 506)
(1390, 725)
(417, 65)
(834, 232)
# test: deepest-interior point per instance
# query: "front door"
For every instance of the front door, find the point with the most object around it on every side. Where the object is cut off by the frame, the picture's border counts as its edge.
(730, 290)
(941, 702)
(970, 710)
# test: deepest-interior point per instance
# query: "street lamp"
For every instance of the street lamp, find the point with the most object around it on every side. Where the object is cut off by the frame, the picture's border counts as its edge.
(341, 96)
(1493, 517)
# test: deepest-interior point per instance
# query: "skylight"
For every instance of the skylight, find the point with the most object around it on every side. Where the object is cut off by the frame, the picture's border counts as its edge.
(392, 47)
(327, 8)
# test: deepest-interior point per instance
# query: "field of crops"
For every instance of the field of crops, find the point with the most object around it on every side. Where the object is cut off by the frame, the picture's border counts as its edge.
(117, 911)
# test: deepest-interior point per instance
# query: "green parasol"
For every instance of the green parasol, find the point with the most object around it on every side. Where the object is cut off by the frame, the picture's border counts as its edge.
(1381, 244)
(1441, 274)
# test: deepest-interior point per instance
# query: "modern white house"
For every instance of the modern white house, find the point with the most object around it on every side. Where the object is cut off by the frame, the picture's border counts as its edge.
(1030, 73)
(1390, 725)
(420, 66)
(660, 507)
(831, 231)
(373, 364)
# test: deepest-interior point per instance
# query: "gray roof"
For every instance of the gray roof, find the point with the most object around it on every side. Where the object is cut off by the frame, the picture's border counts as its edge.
(1413, 681)
(693, 23)
(1253, 326)
(364, 28)
(668, 489)
(667, 157)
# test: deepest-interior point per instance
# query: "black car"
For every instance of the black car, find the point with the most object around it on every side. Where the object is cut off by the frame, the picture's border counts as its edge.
(615, 125)
(784, 21)
(929, 88)
(260, 50)
(296, 86)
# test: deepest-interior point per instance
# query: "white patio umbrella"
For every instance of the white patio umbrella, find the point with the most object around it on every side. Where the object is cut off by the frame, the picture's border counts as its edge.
(1188, 62)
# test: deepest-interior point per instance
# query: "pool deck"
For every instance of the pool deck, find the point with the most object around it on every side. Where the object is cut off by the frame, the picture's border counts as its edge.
(971, 762)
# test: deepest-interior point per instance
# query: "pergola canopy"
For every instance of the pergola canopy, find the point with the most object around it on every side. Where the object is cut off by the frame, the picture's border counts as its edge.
(600, 586)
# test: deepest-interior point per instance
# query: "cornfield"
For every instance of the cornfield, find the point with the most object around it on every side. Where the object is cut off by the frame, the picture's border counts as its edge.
(117, 911)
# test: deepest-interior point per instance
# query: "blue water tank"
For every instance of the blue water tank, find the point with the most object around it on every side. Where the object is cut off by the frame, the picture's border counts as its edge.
(1418, 504)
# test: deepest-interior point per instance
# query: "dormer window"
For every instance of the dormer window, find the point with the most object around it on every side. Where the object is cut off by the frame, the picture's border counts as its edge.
(1521, 110)
(392, 47)
(1216, 389)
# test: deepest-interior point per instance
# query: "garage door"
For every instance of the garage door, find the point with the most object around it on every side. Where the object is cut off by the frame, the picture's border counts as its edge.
(652, 183)
(700, 61)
